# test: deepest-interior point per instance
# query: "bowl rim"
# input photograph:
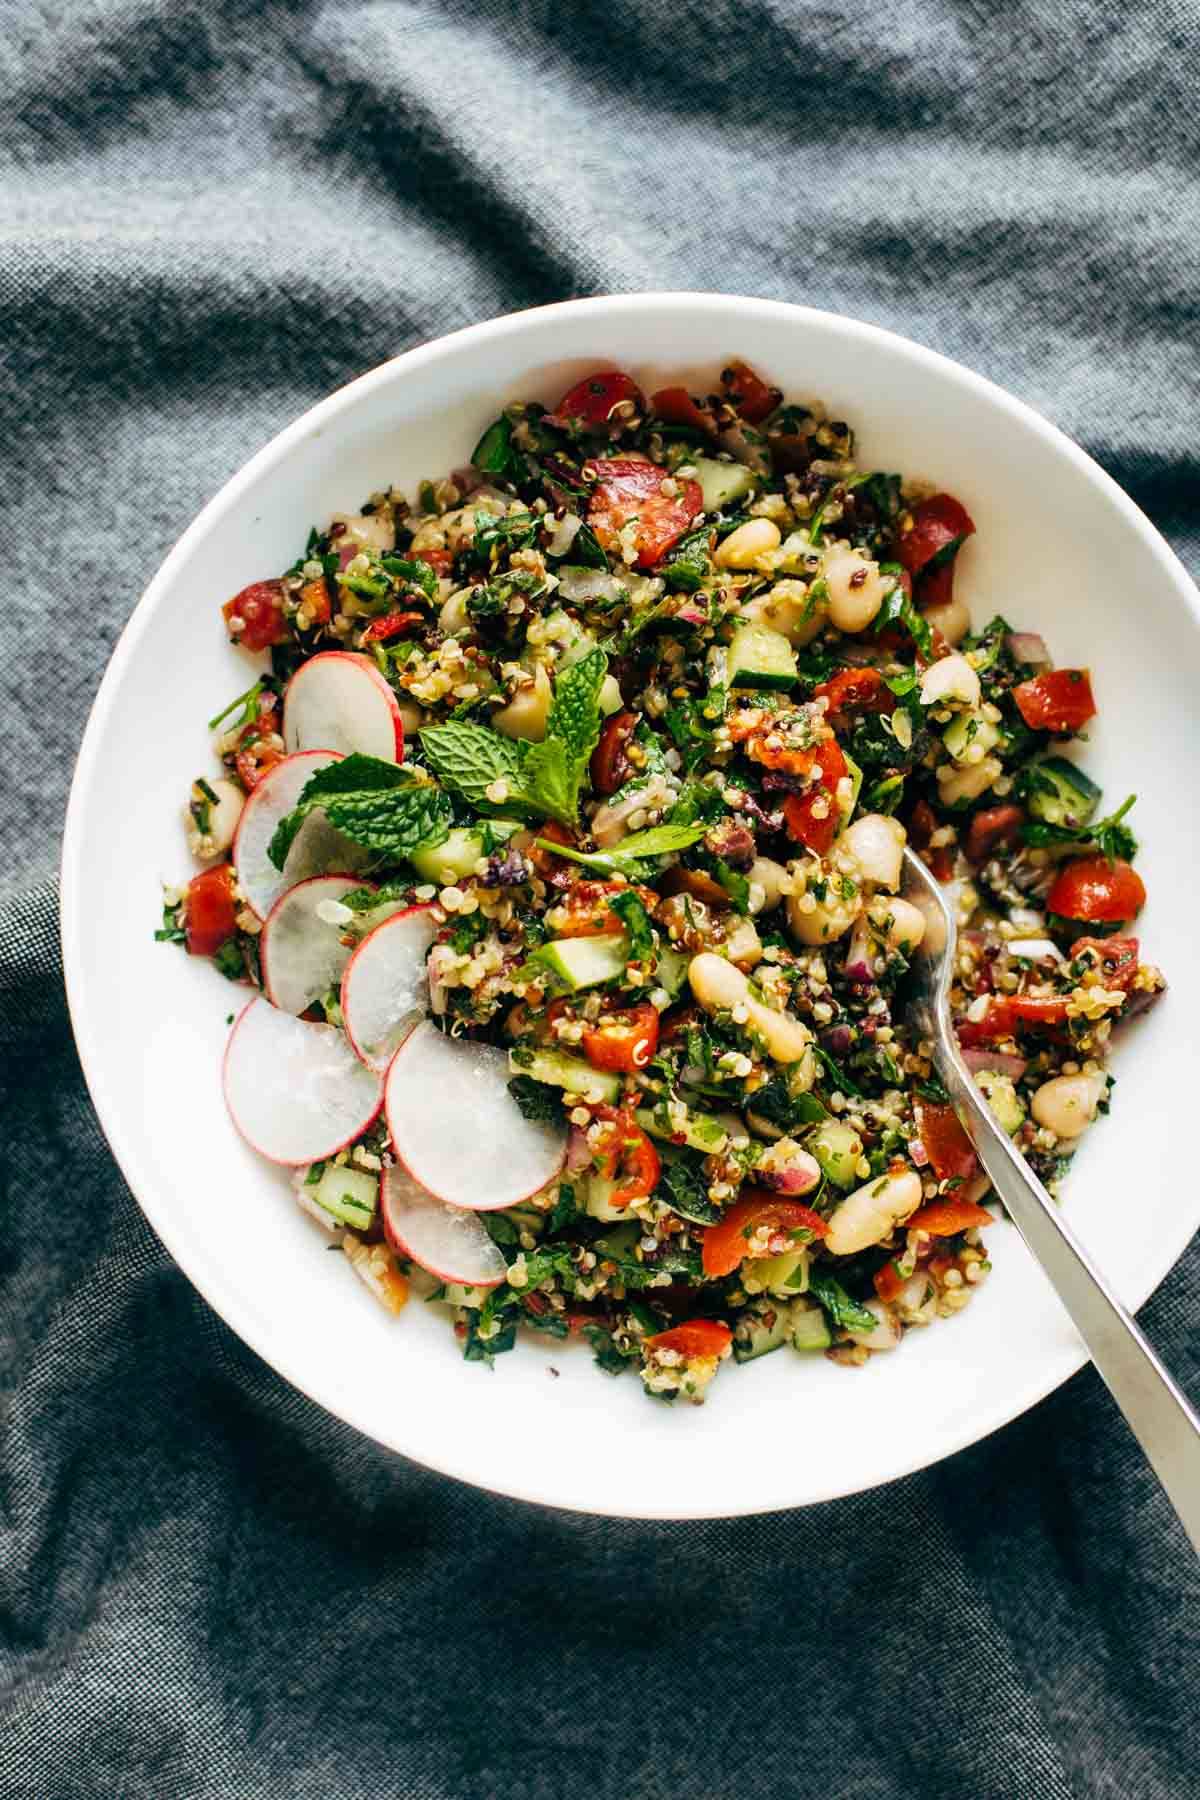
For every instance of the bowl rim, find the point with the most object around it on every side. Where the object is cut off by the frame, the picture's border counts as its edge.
(89, 1037)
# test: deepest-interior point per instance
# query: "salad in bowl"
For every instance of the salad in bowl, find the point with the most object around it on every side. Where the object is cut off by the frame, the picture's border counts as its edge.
(558, 837)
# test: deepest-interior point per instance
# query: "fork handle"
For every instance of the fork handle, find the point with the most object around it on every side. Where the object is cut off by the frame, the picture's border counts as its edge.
(1156, 1411)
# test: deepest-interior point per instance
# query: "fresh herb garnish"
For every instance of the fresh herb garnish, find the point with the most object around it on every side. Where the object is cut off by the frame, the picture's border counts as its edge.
(634, 853)
(377, 804)
(843, 1311)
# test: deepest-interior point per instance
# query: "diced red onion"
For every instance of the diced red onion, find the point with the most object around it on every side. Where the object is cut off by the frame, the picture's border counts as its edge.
(918, 1155)
(998, 1062)
(858, 964)
(578, 1154)
(691, 614)
(837, 1040)
(466, 480)
(1027, 647)
(564, 534)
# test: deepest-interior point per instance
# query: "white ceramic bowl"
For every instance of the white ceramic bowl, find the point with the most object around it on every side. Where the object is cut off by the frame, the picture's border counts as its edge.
(1059, 549)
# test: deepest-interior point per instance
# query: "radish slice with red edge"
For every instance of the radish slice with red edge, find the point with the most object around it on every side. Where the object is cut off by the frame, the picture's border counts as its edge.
(449, 1241)
(385, 989)
(456, 1128)
(296, 1092)
(301, 951)
(317, 848)
(339, 701)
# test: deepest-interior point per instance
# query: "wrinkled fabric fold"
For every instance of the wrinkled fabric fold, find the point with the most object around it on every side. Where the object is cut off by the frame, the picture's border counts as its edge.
(210, 215)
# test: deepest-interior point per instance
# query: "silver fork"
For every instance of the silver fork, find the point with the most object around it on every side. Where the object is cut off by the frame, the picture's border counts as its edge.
(1155, 1409)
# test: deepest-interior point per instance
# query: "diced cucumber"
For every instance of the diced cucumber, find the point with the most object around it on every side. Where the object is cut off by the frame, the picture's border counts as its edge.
(455, 859)
(620, 1244)
(597, 1203)
(671, 971)
(455, 1294)
(347, 1194)
(721, 482)
(699, 1131)
(967, 729)
(585, 961)
(570, 1073)
(761, 1329)
(1003, 1099)
(1061, 794)
(760, 658)
(837, 1148)
(785, 1274)
(810, 1328)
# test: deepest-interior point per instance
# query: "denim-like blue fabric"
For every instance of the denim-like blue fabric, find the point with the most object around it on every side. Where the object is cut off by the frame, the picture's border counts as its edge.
(211, 212)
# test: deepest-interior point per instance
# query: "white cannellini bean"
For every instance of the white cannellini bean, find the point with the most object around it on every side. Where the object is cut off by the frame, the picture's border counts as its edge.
(828, 920)
(369, 531)
(222, 819)
(770, 877)
(872, 1211)
(951, 617)
(886, 1334)
(955, 784)
(877, 844)
(454, 616)
(788, 609)
(525, 715)
(719, 987)
(950, 682)
(743, 547)
(1067, 1104)
(856, 588)
(899, 922)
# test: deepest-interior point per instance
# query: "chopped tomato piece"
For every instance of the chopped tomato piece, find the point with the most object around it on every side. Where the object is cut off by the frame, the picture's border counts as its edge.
(209, 910)
(314, 597)
(1060, 700)
(625, 1155)
(392, 625)
(748, 393)
(950, 1149)
(695, 1337)
(584, 911)
(676, 406)
(922, 824)
(939, 526)
(1006, 1011)
(856, 690)
(727, 1243)
(1118, 958)
(440, 561)
(937, 584)
(889, 1281)
(812, 819)
(610, 766)
(630, 490)
(694, 882)
(589, 404)
(946, 1218)
(626, 1044)
(555, 870)
(254, 617)
(994, 826)
(1098, 891)
(259, 745)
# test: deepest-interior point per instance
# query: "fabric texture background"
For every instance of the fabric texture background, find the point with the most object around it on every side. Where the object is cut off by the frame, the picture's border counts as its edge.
(214, 211)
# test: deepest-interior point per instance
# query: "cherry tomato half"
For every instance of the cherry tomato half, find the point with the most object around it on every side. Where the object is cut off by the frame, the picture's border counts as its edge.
(950, 1149)
(629, 488)
(209, 910)
(589, 404)
(584, 910)
(1006, 1011)
(1096, 890)
(1118, 958)
(626, 1043)
(314, 597)
(748, 393)
(812, 819)
(993, 826)
(939, 526)
(610, 766)
(1060, 700)
(695, 1337)
(677, 407)
(727, 1243)
(946, 1218)
(259, 608)
(625, 1155)
(856, 690)
(392, 625)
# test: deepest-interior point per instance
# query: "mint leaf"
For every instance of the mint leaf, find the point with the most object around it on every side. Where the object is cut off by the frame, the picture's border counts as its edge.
(554, 770)
(898, 609)
(631, 854)
(378, 804)
(468, 758)
(636, 921)
(419, 572)
(841, 1308)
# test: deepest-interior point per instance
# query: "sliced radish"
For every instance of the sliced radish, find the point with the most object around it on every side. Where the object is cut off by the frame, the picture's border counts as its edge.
(296, 1092)
(385, 989)
(301, 950)
(316, 849)
(339, 701)
(449, 1241)
(456, 1130)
